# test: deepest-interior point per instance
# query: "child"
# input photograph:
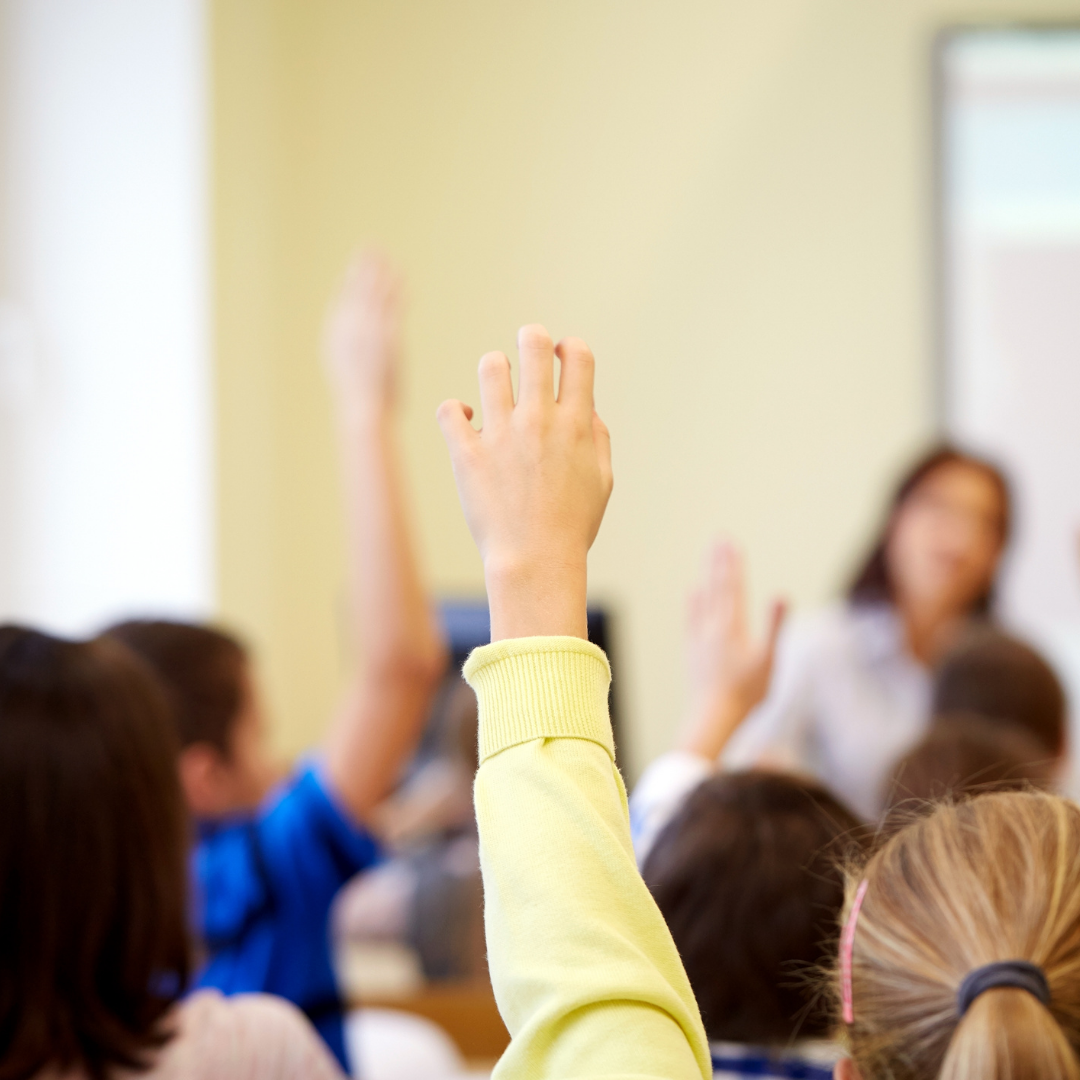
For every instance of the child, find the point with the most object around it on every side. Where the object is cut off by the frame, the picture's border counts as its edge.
(587, 977)
(747, 876)
(268, 869)
(729, 674)
(966, 755)
(963, 961)
(999, 723)
(746, 871)
(961, 950)
(1005, 681)
(93, 857)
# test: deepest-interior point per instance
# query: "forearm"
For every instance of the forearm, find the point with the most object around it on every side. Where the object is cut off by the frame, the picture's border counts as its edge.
(584, 968)
(713, 717)
(391, 615)
(711, 721)
(399, 649)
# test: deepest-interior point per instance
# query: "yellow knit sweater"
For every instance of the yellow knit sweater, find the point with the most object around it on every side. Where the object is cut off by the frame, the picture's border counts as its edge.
(585, 972)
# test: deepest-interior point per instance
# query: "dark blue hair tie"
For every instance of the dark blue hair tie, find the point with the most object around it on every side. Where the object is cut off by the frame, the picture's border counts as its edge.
(1016, 974)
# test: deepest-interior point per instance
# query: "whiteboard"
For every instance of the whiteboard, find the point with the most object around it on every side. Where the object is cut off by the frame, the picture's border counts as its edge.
(1009, 240)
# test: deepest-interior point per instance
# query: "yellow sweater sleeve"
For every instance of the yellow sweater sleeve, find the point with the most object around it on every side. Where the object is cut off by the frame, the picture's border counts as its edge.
(585, 972)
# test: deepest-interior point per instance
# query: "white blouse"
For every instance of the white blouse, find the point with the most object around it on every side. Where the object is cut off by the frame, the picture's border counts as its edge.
(847, 700)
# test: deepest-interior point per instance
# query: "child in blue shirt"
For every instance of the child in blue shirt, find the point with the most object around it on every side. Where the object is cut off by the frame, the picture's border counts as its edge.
(272, 854)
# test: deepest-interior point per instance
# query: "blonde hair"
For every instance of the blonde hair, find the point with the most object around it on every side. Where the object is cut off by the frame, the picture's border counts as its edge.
(994, 878)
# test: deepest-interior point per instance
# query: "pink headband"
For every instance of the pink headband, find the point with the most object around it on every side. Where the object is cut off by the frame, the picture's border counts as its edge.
(847, 947)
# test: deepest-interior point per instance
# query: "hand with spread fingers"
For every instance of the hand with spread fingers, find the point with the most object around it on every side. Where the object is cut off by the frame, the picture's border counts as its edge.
(729, 668)
(534, 483)
(362, 335)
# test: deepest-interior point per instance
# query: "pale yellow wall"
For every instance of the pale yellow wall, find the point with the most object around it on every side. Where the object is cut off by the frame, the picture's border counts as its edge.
(729, 200)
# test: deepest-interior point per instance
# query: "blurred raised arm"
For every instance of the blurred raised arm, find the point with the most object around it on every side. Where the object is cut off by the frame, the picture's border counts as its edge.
(729, 672)
(400, 651)
(729, 669)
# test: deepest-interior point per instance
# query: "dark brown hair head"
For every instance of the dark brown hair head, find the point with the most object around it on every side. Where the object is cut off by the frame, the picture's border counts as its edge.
(1000, 678)
(748, 876)
(93, 848)
(965, 755)
(202, 671)
(873, 582)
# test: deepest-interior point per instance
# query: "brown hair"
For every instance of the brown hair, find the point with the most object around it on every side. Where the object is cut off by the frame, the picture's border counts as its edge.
(998, 677)
(747, 876)
(964, 754)
(93, 848)
(872, 583)
(202, 671)
(993, 878)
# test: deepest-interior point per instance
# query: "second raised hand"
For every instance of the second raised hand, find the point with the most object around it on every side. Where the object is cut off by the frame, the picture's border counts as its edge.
(534, 483)
(729, 668)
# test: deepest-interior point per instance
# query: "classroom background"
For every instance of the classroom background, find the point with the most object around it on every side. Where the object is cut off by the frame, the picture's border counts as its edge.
(805, 239)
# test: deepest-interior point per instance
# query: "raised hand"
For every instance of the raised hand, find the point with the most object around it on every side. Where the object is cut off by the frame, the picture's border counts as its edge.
(534, 483)
(362, 337)
(729, 669)
(400, 655)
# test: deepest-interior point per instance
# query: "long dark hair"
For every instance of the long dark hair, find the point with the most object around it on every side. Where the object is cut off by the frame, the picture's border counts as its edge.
(94, 945)
(873, 581)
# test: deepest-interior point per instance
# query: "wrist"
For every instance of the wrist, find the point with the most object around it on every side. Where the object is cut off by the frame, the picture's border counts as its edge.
(363, 409)
(711, 721)
(537, 598)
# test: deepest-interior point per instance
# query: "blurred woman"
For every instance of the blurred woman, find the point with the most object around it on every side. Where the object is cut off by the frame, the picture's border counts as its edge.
(850, 691)
(94, 935)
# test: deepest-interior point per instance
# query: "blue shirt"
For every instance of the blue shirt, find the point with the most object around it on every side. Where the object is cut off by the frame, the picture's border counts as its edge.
(265, 885)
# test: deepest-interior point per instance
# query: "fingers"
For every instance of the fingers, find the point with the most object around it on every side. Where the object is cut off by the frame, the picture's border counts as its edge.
(371, 276)
(602, 442)
(537, 365)
(777, 615)
(392, 293)
(727, 583)
(454, 417)
(696, 607)
(362, 327)
(496, 387)
(576, 372)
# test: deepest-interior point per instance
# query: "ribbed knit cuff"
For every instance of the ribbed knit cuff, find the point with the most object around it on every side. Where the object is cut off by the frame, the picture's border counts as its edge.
(540, 688)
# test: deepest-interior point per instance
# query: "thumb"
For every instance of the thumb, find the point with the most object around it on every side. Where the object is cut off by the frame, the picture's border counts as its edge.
(777, 615)
(453, 417)
(602, 442)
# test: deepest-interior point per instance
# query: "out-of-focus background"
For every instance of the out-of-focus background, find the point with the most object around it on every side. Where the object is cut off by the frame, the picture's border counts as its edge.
(795, 233)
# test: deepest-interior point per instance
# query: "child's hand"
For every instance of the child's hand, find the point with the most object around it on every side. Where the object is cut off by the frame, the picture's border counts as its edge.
(729, 670)
(362, 338)
(534, 483)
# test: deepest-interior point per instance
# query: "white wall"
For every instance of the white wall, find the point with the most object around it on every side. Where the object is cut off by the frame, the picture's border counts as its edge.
(105, 412)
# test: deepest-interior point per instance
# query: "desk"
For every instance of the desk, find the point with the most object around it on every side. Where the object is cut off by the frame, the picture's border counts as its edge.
(465, 1011)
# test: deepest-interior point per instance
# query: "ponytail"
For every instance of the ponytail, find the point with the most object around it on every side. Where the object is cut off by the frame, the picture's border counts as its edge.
(1009, 1033)
(961, 955)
